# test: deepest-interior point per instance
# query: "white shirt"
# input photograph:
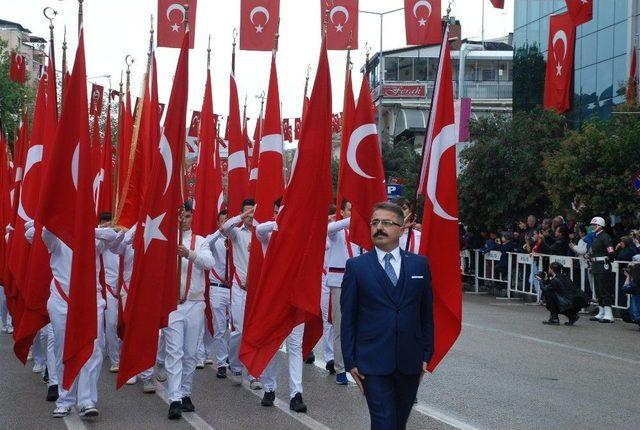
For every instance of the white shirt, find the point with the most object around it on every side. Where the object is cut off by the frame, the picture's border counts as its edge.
(125, 249)
(338, 253)
(395, 260)
(201, 259)
(219, 252)
(263, 233)
(111, 265)
(415, 246)
(240, 238)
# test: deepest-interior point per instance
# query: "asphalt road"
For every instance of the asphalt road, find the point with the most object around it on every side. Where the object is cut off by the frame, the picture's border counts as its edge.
(507, 371)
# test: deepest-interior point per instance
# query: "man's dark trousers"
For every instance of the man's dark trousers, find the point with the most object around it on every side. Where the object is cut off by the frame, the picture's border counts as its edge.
(390, 399)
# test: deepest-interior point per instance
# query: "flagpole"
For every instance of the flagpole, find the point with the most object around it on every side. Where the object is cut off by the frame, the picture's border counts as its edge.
(347, 72)
(64, 61)
(80, 15)
(233, 52)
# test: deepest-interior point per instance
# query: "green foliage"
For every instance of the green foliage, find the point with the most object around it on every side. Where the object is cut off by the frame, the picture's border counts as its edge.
(503, 174)
(12, 95)
(593, 168)
(402, 161)
(528, 78)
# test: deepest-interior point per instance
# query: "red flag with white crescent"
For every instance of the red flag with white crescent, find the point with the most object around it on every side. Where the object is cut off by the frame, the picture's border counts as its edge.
(342, 23)
(18, 68)
(422, 20)
(498, 4)
(259, 20)
(105, 194)
(172, 15)
(96, 99)
(238, 177)
(348, 112)
(255, 157)
(439, 240)
(580, 11)
(559, 72)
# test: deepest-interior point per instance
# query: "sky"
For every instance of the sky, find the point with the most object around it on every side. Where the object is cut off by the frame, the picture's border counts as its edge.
(115, 28)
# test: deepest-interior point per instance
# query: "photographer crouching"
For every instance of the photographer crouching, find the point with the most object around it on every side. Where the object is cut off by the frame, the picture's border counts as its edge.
(560, 295)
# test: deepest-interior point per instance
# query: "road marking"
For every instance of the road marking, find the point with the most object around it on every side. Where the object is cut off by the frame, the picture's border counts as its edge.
(73, 421)
(552, 343)
(191, 417)
(443, 417)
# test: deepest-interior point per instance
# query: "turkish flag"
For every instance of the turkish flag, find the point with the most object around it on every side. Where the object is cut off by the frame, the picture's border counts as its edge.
(297, 128)
(259, 20)
(439, 242)
(194, 125)
(171, 22)
(238, 178)
(559, 73)
(286, 129)
(96, 99)
(270, 182)
(69, 213)
(363, 181)
(423, 22)
(208, 190)
(38, 275)
(348, 113)
(18, 68)
(153, 294)
(580, 11)
(342, 24)
(253, 171)
(105, 194)
(498, 4)
(5, 200)
(125, 132)
(289, 289)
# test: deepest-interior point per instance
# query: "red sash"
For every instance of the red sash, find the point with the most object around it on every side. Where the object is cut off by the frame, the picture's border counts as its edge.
(189, 271)
(64, 295)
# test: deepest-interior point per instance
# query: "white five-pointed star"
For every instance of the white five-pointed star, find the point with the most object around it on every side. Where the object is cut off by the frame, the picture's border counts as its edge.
(339, 28)
(584, 1)
(175, 27)
(152, 230)
(259, 29)
(422, 22)
(558, 69)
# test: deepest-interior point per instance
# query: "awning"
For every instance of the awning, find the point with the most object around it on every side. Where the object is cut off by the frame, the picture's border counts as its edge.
(410, 120)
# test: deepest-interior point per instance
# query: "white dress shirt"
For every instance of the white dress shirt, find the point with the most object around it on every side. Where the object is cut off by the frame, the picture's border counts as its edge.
(240, 237)
(201, 259)
(395, 260)
(219, 251)
(338, 253)
(415, 243)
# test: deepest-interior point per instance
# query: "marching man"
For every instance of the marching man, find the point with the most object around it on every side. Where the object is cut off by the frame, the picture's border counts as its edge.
(186, 322)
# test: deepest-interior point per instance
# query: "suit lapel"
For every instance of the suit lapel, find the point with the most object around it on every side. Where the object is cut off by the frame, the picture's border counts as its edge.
(381, 276)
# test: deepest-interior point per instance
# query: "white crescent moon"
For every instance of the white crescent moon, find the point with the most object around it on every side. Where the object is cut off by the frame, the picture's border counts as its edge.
(220, 201)
(358, 135)
(419, 4)
(96, 185)
(178, 7)
(34, 156)
(441, 143)
(339, 9)
(560, 35)
(257, 10)
(75, 160)
(165, 152)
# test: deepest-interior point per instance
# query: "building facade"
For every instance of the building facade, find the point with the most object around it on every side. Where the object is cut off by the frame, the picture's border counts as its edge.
(602, 55)
(21, 40)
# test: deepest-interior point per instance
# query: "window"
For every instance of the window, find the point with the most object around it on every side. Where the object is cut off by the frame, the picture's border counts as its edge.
(620, 75)
(489, 75)
(391, 69)
(421, 67)
(620, 39)
(622, 9)
(588, 53)
(433, 69)
(520, 13)
(588, 81)
(533, 32)
(604, 13)
(470, 71)
(534, 10)
(605, 44)
(406, 69)
(605, 80)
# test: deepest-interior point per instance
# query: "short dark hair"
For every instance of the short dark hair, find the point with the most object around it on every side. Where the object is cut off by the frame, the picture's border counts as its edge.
(556, 267)
(278, 202)
(343, 204)
(332, 209)
(402, 201)
(223, 212)
(188, 206)
(391, 207)
(247, 202)
(105, 216)
(634, 272)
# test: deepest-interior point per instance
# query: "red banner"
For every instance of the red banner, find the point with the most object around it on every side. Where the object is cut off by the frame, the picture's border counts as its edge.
(423, 22)
(259, 21)
(580, 11)
(342, 23)
(172, 15)
(557, 85)
(96, 99)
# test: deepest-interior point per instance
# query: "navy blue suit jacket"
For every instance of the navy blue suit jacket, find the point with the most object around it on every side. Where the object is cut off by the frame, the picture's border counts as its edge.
(386, 328)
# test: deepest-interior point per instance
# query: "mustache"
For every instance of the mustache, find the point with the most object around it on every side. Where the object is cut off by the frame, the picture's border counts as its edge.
(380, 233)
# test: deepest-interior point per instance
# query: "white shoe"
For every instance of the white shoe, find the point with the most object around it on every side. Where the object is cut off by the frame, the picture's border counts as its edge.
(89, 411)
(132, 381)
(600, 314)
(161, 373)
(608, 315)
(208, 362)
(61, 412)
(255, 384)
(148, 386)
(10, 330)
(200, 365)
(38, 368)
(236, 378)
(115, 368)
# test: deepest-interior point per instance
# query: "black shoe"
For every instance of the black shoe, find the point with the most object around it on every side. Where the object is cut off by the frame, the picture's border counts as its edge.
(572, 319)
(45, 376)
(330, 367)
(175, 410)
(554, 320)
(297, 404)
(222, 373)
(268, 398)
(311, 358)
(52, 393)
(187, 405)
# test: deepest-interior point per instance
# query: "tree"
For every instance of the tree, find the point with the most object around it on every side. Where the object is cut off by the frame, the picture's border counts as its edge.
(13, 95)
(528, 78)
(590, 173)
(401, 160)
(503, 174)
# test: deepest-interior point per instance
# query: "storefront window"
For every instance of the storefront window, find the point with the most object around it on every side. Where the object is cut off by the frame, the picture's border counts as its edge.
(421, 66)
(406, 69)
(391, 69)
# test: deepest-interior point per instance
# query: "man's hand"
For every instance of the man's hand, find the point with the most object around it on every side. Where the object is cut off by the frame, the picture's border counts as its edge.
(183, 251)
(358, 378)
(424, 370)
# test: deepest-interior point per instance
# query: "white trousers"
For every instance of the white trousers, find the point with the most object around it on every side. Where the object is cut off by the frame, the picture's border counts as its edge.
(238, 301)
(112, 341)
(336, 317)
(84, 391)
(293, 343)
(181, 337)
(47, 339)
(39, 349)
(327, 327)
(5, 317)
(219, 300)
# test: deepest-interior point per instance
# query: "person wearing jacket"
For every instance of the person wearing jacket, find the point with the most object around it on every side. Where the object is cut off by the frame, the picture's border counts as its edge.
(561, 296)
(631, 287)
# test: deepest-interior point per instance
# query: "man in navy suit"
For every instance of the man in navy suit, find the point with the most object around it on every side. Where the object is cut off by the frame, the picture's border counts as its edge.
(387, 321)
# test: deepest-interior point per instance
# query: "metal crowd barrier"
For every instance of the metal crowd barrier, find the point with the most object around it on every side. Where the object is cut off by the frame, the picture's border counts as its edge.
(522, 268)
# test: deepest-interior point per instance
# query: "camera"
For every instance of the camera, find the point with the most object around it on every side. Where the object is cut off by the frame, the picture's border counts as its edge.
(541, 275)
